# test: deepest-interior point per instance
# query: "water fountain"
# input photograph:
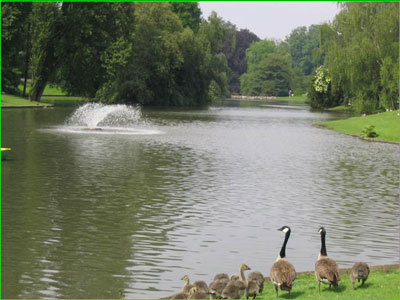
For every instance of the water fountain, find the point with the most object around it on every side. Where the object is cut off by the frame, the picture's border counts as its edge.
(108, 119)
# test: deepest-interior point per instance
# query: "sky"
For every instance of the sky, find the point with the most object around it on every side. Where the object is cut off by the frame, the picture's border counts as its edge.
(272, 20)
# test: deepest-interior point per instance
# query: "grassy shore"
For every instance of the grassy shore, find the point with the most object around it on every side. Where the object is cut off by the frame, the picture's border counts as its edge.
(302, 99)
(382, 283)
(11, 100)
(52, 96)
(386, 126)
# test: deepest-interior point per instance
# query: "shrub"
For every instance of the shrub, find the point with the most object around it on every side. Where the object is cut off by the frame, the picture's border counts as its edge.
(369, 131)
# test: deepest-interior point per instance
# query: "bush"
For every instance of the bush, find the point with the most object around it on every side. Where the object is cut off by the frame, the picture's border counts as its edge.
(369, 131)
(320, 92)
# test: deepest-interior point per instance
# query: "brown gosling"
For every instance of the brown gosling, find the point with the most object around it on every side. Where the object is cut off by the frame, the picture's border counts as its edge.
(218, 284)
(201, 286)
(359, 271)
(259, 278)
(187, 286)
(231, 291)
(326, 269)
(221, 276)
(195, 293)
(282, 272)
(252, 287)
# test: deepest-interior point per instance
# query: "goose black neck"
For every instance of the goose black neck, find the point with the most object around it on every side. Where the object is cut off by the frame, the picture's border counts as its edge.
(282, 254)
(323, 247)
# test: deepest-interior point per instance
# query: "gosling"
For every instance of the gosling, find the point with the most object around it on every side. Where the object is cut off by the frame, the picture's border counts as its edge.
(359, 271)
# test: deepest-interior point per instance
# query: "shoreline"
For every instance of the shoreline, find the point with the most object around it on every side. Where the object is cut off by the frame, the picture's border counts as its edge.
(26, 106)
(322, 126)
(379, 268)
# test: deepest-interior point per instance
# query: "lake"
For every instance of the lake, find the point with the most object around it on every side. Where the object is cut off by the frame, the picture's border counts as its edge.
(126, 211)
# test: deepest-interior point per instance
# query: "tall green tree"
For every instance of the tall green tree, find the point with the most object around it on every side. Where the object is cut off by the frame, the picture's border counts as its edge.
(70, 41)
(268, 70)
(166, 64)
(363, 54)
(15, 44)
(234, 48)
(48, 28)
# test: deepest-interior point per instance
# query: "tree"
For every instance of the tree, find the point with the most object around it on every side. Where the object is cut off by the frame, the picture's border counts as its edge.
(363, 55)
(69, 42)
(234, 48)
(268, 70)
(189, 13)
(15, 44)
(47, 31)
(302, 44)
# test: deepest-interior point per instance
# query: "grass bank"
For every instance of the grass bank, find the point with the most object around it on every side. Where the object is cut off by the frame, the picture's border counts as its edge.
(386, 126)
(11, 100)
(382, 283)
(52, 96)
(302, 99)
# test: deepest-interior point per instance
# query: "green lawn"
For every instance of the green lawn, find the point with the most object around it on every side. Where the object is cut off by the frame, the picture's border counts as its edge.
(386, 125)
(63, 100)
(381, 284)
(51, 96)
(10, 100)
(302, 99)
(49, 90)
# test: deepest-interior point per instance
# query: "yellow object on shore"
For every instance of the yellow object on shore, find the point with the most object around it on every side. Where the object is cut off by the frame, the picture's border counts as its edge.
(4, 153)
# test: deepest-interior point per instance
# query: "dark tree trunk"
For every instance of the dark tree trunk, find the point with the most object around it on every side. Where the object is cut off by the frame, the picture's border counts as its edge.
(27, 53)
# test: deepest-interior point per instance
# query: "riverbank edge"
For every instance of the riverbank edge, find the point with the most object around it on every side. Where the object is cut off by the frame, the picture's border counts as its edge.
(379, 268)
(322, 126)
(27, 106)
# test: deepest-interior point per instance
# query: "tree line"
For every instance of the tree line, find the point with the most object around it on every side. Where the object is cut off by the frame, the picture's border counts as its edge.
(162, 54)
(166, 54)
(354, 60)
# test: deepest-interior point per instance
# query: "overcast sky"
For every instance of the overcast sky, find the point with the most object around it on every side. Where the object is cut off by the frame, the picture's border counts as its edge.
(271, 19)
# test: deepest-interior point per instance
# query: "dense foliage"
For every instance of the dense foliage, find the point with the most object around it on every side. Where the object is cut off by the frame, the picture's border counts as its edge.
(268, 70)
(236, 42)
(362, 56)
(302, 44)
(15, 43)
(148, 53)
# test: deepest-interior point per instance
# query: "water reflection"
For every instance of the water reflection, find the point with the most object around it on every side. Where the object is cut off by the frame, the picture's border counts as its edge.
(110, 216)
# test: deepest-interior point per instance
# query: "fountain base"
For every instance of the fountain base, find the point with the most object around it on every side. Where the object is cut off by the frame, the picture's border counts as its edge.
(93, 129)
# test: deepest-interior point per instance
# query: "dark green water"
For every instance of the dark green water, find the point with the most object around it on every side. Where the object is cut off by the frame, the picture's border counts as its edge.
(126, 213)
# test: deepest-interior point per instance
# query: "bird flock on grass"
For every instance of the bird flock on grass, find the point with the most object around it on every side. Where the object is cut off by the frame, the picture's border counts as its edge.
(282, 276)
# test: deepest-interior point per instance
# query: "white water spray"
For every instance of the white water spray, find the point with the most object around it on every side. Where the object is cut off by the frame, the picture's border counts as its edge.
(108, 119)
(94, 115)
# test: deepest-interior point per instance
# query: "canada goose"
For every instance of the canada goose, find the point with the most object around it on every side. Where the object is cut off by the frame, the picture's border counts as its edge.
(187, 286)
(282, 272)
(218, 284)
(258, 277)
(234, 289)
(326, 269)
(359, 271)
(195, 293)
